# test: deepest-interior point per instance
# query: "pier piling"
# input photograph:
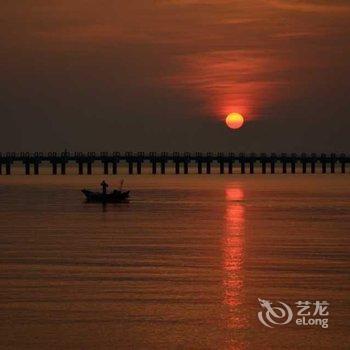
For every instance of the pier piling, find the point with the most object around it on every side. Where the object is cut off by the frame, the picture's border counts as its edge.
(284, 167)
(284, 163)
(324, 163)
(208, 167)
(139, 161)
(139, 167)
(273, 158)
(313, 167)
(63, 168)
(313, 162)
(242, 161)
(199, 160)
(292, 167)
(251, 163)
(263, 162)
(186, 167)
(303, 162)
(54, 168)
(36, 168)
(251, 166)
(131, 167)
(230, 167)
(8, 168)
(273, 167)
(162, 168)
(89, 168)
(105, 168)
(114, 168)
(27, 168)
(293, 163)
(154, 168)
(335, 163)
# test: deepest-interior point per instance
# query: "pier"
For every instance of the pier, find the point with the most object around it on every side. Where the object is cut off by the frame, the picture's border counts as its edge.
(176, 162)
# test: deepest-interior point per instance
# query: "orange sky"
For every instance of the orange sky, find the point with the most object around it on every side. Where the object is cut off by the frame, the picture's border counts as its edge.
(211, 57)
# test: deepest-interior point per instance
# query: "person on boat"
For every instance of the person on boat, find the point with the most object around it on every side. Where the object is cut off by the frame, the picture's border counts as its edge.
(104, 187)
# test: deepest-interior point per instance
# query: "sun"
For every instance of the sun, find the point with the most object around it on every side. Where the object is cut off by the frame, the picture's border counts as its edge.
(234, 120)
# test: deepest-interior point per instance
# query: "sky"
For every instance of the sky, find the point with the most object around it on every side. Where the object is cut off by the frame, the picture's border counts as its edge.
(161, 75)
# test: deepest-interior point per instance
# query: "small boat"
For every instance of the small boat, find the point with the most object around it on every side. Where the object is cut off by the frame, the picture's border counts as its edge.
(113, 197)
(116, 196)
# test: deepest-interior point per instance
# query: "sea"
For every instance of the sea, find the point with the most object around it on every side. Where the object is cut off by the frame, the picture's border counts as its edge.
(190, 262)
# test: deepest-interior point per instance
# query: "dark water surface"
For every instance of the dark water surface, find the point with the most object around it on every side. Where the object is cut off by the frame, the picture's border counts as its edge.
(181, 266)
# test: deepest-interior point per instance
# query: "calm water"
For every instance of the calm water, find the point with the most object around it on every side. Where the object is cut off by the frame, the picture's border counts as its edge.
(181, 266)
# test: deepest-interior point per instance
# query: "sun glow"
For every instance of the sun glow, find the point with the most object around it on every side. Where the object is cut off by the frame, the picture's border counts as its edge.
(234, 120)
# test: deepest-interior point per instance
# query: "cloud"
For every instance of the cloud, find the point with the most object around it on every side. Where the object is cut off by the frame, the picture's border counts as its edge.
(174, 58)
(341, 8)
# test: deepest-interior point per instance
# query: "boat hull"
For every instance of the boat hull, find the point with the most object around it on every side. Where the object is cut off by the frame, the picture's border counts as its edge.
(114, 197)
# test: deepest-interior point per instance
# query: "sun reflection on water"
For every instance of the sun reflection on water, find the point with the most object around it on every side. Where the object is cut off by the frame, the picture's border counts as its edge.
(233, 255)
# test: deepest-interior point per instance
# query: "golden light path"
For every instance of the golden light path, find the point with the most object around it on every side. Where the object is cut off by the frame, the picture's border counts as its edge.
(234, 120)
(233, 245)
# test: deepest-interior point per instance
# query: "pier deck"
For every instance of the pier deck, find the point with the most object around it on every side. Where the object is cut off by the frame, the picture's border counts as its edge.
(227, 162)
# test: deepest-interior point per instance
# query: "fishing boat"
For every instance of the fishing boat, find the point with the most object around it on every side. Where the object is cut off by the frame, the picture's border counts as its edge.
(113, 197)
(116, 196)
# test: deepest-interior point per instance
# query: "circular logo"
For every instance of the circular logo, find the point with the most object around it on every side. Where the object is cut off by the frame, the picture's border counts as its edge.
(274, 315)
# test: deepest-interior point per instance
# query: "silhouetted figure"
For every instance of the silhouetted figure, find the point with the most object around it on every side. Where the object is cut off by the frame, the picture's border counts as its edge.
(104, 187)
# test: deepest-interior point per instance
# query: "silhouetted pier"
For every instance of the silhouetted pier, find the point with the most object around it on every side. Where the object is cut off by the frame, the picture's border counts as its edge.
(178, 162)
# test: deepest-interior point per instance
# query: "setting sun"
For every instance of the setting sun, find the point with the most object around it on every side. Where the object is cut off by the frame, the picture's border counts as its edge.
(234, 120)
